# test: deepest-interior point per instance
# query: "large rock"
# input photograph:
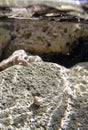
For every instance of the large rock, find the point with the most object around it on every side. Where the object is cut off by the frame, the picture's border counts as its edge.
(43, 36)
(64, 91)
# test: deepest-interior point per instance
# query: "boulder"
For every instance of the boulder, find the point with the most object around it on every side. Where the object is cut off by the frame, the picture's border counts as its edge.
(40, 36)
(63, 93)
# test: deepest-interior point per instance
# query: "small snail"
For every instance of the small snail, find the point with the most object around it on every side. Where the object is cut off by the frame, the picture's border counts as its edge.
(38, 101)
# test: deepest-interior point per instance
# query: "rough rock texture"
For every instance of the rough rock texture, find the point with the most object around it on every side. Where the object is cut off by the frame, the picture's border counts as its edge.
(43, 35)
(19, 57)
(64, 91)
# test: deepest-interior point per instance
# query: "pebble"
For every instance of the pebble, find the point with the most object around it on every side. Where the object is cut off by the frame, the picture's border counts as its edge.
(38, 100)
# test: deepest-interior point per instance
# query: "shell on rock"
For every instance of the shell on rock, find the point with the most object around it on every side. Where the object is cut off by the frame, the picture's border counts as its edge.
(38, 100)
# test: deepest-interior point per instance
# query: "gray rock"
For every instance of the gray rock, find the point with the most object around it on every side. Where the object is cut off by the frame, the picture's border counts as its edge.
(64, 91)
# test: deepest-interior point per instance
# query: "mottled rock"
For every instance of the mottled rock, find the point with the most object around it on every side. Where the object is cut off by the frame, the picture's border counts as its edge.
(44, 36)
(18, 57)
(4, 39)
(64, 93)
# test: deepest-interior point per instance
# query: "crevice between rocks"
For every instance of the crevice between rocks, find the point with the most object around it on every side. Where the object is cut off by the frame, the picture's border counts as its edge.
(77, 55)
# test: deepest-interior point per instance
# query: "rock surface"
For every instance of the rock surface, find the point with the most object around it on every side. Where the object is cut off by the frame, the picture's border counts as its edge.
(64, 93)
(19, 57)
(43, 35)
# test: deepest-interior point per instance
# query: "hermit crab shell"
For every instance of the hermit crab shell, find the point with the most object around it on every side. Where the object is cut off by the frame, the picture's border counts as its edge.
(38, 100)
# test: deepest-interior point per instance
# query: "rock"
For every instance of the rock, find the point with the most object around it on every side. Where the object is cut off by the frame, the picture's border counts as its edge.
(19, 57)
(41, 36)
(64, 93)
(4, 39)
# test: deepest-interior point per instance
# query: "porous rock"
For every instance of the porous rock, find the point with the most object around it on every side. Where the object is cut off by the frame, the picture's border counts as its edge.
(64, 93)
(41, 36)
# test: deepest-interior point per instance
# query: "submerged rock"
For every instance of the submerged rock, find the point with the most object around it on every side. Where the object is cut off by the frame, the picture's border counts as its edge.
(64, 93)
